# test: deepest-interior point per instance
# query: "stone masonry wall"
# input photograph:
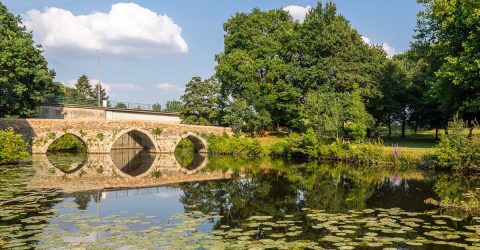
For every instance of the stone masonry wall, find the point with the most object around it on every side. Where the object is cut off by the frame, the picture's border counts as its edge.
(99, 135)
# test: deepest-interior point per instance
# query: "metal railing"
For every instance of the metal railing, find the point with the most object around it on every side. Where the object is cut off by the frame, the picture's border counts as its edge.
(109, 104)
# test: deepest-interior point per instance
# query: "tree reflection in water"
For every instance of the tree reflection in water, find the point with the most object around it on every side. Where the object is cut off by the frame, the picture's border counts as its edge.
(275, 188)
(68, 162)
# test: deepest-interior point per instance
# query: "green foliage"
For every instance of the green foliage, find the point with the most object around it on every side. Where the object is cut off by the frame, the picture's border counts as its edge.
(456, 150)
(12, 147)
(157, 132)
(334, 115)
(67, 143)
(240, 146)
(242, 117)
(100, 136)
(448, 30)
(103, 92)
(25, 80)
(121, 105)
(272, 62)
(201, 102)
(173, 106)
(157, 107)
(83, 89)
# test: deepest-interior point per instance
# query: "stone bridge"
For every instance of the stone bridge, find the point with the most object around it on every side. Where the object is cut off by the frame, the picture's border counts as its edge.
(104, 136)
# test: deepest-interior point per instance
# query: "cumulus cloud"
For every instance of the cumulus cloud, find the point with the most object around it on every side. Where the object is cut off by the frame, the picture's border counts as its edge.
(366, 40)
(168, 87)
(386, 47)
(298, 13)
(389, 49)
(126, 30)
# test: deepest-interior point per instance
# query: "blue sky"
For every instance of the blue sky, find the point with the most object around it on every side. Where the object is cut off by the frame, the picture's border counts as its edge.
(177, 40)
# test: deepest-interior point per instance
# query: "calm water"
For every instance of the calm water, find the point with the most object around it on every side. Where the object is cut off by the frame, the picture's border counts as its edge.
(224, 202)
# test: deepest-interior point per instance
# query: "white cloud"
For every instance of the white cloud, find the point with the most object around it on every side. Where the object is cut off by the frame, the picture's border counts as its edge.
(168, 87)
(389, 49)
(298, 13)
(386, 47)
(366, 40)
(127, 30)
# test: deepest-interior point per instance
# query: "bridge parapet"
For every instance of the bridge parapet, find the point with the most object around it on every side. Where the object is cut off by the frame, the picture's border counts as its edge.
(100, 135)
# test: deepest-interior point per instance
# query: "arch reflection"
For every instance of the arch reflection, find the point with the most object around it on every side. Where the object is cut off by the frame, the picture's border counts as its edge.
(68, 162)
(189, 153)
(132, 162)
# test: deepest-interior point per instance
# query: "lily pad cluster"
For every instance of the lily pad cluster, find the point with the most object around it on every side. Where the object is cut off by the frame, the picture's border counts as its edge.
(23, 212)
(309, 229)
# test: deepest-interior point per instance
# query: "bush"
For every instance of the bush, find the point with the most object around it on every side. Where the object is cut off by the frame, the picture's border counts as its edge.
(225, 145)
(12, 147)
(456, 151)
(67, 143)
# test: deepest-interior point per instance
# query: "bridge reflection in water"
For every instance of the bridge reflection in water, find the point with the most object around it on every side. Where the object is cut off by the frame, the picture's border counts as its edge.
(133, 162)
(120, 169)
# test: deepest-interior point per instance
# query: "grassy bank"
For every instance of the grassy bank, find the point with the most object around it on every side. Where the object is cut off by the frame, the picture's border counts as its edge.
(455, 151)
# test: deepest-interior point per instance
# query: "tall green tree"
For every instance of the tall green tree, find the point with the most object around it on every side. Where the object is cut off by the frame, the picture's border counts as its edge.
(331, 52)
(83, 88)
(449, 28)
(25, 80)
(201, 102)
(334, 115)
(157, 107)
(173, 106)
(103, 92)
(258, 64)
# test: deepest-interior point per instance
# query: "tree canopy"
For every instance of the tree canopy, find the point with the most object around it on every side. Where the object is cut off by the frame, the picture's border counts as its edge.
(25, 80)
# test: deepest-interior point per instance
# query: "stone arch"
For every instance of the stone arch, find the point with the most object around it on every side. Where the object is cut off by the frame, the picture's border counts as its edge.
(201, 150)
(201, 145)
(136, 134)
(60, 134)
(133, 138)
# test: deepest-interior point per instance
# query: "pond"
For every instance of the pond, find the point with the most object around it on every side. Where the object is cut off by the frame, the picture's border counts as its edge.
(136, 200)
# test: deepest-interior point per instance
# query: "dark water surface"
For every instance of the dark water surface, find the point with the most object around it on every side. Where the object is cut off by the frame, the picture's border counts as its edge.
(227, 203)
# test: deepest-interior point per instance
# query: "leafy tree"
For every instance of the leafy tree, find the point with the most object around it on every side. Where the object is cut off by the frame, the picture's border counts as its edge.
(25, 80)
(103, 92)
(121, 105)
(83, 88)
(201, 102)
(258, 64)
(334, 115)
(173, 106)
(449, 29)
(243, 117)
(325, 112)
(331, 52)
(157, 107)
(393, 93)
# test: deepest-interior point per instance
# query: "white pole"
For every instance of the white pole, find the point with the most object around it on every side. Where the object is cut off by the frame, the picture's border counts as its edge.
(98, 73)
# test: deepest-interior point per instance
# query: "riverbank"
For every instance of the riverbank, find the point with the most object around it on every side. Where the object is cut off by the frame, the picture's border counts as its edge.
(455, 151)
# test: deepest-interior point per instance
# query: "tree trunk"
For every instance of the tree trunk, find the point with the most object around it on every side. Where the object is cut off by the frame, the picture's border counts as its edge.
(436, 134)
(389, 127)
(404, 124)
(470, 132)
(446, 129)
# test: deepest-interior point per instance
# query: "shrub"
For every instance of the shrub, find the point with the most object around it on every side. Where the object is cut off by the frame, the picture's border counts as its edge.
(67, 142)
(12, 147)
(225, 145)
(457, 151)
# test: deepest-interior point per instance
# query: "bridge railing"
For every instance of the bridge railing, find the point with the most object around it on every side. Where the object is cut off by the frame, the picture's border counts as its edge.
(109, 104)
